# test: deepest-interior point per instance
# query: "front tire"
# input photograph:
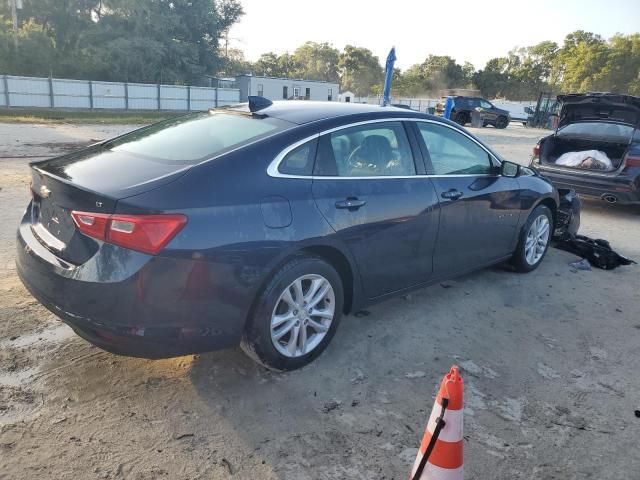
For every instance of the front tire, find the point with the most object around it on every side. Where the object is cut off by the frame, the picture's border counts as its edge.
(296, 315)
(461, 119)
(502, 122)
(534, 240)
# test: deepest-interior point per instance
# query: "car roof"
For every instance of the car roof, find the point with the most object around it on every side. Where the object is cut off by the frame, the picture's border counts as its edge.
(301, 112)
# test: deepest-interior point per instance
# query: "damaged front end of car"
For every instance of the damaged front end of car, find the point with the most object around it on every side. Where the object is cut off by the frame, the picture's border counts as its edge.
(568, 214)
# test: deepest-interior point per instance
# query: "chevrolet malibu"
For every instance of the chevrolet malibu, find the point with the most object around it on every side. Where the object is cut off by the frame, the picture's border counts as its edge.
(262, 224)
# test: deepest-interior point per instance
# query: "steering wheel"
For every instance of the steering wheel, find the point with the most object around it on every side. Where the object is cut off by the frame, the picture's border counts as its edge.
(352, 160)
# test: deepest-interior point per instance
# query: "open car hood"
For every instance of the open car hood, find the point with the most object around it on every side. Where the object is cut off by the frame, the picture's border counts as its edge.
(580, 107)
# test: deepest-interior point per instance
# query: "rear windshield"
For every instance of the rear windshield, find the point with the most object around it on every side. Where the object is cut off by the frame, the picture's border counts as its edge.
(189, 139)
(612, 132)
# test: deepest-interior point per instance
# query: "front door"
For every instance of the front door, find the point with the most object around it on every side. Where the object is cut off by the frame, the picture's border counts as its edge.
(488, 112)
(366, 187)
(479, 207)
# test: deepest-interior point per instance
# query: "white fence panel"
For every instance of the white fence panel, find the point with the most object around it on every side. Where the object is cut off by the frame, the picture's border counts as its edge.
(173, 97)
(142, 96)
(16, 91)
(71, 93)
(420, 104)
(202, 98)
(108, 95)
(28, 92)
(228, 96)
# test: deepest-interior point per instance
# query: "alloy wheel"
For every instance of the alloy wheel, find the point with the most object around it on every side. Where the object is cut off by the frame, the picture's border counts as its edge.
(537, 240)
(303, 315)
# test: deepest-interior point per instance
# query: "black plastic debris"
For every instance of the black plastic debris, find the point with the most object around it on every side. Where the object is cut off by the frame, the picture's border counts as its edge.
(598, 252)
(568, 213)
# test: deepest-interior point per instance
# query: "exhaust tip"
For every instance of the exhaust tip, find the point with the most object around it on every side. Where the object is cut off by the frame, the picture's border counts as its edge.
(607, 197)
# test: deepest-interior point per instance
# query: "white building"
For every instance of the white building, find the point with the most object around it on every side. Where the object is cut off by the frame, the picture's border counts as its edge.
(346, 97)
(286, 88)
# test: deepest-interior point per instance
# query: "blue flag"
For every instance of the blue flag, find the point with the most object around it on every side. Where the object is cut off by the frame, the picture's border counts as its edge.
(388, 76)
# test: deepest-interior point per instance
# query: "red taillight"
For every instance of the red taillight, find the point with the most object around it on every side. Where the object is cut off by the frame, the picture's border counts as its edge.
(536, 150)
(144, 233)
(632, 160)
(92, 224)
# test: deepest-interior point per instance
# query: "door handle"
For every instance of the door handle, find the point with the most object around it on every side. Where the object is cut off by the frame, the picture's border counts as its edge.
(452, 194)
(351, 203)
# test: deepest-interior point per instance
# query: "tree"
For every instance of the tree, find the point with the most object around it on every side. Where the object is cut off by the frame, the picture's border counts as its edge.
(432, 75)
(493, 79)
(234, 63)
(134, 40)
(359, 70)
(288, 66)
(267, 65)
(317, 61)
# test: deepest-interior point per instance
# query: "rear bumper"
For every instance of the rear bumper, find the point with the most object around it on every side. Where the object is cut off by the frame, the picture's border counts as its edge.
(624, 189)
(133, 304)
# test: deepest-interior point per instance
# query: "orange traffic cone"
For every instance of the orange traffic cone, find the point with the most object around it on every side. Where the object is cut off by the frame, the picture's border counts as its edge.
(440, 455)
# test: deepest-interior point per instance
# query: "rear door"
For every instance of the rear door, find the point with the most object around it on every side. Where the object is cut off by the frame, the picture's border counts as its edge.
(479, 207)
(367, 187)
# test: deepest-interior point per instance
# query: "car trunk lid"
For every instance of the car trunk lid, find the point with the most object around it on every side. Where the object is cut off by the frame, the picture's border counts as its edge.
(599, 106)
(92, 180)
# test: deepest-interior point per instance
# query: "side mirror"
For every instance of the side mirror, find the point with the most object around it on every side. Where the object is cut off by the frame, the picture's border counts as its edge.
(510, 169)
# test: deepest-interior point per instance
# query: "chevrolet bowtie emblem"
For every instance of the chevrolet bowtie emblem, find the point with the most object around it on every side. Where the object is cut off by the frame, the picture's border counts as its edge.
(44, 191)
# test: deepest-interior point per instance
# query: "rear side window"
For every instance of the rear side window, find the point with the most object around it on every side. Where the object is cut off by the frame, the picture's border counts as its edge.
(299, 161)
(371, 150)
(452, 153)
(190, 139)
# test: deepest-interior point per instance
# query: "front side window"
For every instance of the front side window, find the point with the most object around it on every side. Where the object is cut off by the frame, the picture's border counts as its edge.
(452, 153)
(485, 104)
(371, 150)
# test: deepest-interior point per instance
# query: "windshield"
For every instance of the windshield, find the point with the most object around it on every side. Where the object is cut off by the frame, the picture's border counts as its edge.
(612, 132)
(192, 138)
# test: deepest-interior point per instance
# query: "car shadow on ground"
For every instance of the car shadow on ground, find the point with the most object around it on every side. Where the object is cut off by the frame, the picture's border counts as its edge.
(622, 212)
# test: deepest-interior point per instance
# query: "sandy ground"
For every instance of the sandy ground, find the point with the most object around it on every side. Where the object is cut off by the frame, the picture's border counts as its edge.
(550, 361)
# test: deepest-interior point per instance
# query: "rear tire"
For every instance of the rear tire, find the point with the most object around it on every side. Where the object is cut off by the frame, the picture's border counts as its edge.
(502, 122)
(535, 239)
(295, 316)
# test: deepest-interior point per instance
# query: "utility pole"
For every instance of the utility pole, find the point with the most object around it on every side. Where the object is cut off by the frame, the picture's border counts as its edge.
(14, 18)
(14, 14)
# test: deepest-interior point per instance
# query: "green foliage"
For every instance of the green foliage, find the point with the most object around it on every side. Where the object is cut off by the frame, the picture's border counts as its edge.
(133, 40)
(585, 62)
(177, 41)
(360, 70)
(434, 74)
(317, 61)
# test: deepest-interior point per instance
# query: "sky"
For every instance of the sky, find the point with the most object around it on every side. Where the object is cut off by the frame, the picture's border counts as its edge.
(466, 30)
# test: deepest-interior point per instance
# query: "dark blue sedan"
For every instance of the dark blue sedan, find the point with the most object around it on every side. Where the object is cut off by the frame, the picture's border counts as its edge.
(262, 224)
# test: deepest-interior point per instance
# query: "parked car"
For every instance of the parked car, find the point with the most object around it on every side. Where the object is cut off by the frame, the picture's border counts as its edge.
(263, 224)
(491, 115)
(603, 122)
(518, 112)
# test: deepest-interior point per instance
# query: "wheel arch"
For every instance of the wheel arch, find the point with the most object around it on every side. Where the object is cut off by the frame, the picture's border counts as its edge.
(340, 262)
(330, 253)
(552, 205)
